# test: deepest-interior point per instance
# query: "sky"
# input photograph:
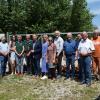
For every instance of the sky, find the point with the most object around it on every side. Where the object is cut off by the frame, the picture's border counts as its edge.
(94, 6)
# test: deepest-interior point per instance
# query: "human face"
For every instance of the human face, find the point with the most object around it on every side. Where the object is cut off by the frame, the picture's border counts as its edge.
(19, 37)
(84, 35)
(3, 40)
(13, 38)
(27, 37)
(95, 34)
(45, 38)
(57, 34)
(79, 36)
(34, 37)
(50, 40)
(69, 36)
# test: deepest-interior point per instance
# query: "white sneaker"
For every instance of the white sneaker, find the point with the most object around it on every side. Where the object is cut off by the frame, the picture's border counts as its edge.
(12, 73)
(44, 77)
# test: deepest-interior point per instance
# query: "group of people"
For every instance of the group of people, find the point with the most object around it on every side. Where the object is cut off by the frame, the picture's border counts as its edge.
(43, 57)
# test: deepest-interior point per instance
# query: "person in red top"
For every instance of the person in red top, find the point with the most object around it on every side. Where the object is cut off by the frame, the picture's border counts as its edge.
(96, 54)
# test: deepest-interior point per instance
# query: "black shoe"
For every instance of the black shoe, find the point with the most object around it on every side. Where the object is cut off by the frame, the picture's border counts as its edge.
(88, 84)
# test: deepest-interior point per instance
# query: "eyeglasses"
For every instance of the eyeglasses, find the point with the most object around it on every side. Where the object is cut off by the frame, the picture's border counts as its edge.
(50, 40)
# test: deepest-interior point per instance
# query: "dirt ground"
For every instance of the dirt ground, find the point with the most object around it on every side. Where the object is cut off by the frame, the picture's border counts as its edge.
(28, 88)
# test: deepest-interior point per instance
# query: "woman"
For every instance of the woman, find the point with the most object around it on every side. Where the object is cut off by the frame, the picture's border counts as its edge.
(44, 55)
(51, 55)
(12, 54)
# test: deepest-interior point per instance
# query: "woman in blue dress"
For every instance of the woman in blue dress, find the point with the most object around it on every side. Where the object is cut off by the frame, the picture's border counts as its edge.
(44, 56)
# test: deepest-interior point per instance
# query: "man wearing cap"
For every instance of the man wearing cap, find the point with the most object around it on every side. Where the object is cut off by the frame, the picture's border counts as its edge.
(96, 54)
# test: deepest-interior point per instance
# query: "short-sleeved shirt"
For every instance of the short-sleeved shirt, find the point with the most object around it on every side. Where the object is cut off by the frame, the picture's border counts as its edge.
(19, 47)
(96, 43)
(70, 47)
(85, 46)
(4, 47)
(28, 45)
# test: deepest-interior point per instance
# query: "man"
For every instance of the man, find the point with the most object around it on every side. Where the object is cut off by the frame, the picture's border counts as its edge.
(70, 52)
(19, 50)
(36, 54)
(85, 50)
(4, 51)
(59, 53)
(79, 37)
(28, 47)
(96, 55)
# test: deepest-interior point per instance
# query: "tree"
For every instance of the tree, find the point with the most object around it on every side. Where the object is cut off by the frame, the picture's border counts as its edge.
(44, 16)
(81, 19)
(48, 15)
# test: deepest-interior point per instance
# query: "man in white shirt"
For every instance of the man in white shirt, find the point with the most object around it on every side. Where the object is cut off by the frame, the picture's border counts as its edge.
(4, 50)
(59, 53)
(85, 50)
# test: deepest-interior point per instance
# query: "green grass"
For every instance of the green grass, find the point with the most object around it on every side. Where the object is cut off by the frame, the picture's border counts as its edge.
(27, 88)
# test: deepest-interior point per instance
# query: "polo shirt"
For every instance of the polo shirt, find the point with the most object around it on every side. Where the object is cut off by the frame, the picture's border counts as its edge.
(4, 47)
(28, 45)
(19, 47)
(86, 46)
(70, 47)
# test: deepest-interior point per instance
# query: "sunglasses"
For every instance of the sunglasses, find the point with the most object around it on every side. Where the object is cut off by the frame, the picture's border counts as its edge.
(50, 40)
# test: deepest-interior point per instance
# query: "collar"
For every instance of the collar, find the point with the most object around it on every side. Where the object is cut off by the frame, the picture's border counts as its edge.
(69, 40)
(85, 40)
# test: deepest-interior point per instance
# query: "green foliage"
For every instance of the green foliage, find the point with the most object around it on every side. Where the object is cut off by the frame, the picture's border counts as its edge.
(44, 16)
(81, 19)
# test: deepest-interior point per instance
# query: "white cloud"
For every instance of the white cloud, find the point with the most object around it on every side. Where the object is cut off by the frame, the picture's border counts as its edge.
(96, 11)
(92, 1)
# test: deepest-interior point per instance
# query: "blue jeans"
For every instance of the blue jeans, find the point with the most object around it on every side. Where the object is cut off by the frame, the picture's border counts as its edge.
(1, 65)
(19, 64)
(86, 67)
(3, 62)
(70, 60)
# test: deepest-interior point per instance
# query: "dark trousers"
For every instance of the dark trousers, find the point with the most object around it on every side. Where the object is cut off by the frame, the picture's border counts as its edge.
(29, 64)
(86, 67)
(80, 74)
(52, 72)
(59, 60)
(70, 60)
(36, 66)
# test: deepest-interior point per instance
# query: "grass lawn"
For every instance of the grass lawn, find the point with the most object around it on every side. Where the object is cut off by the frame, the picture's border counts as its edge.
(27, 88)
